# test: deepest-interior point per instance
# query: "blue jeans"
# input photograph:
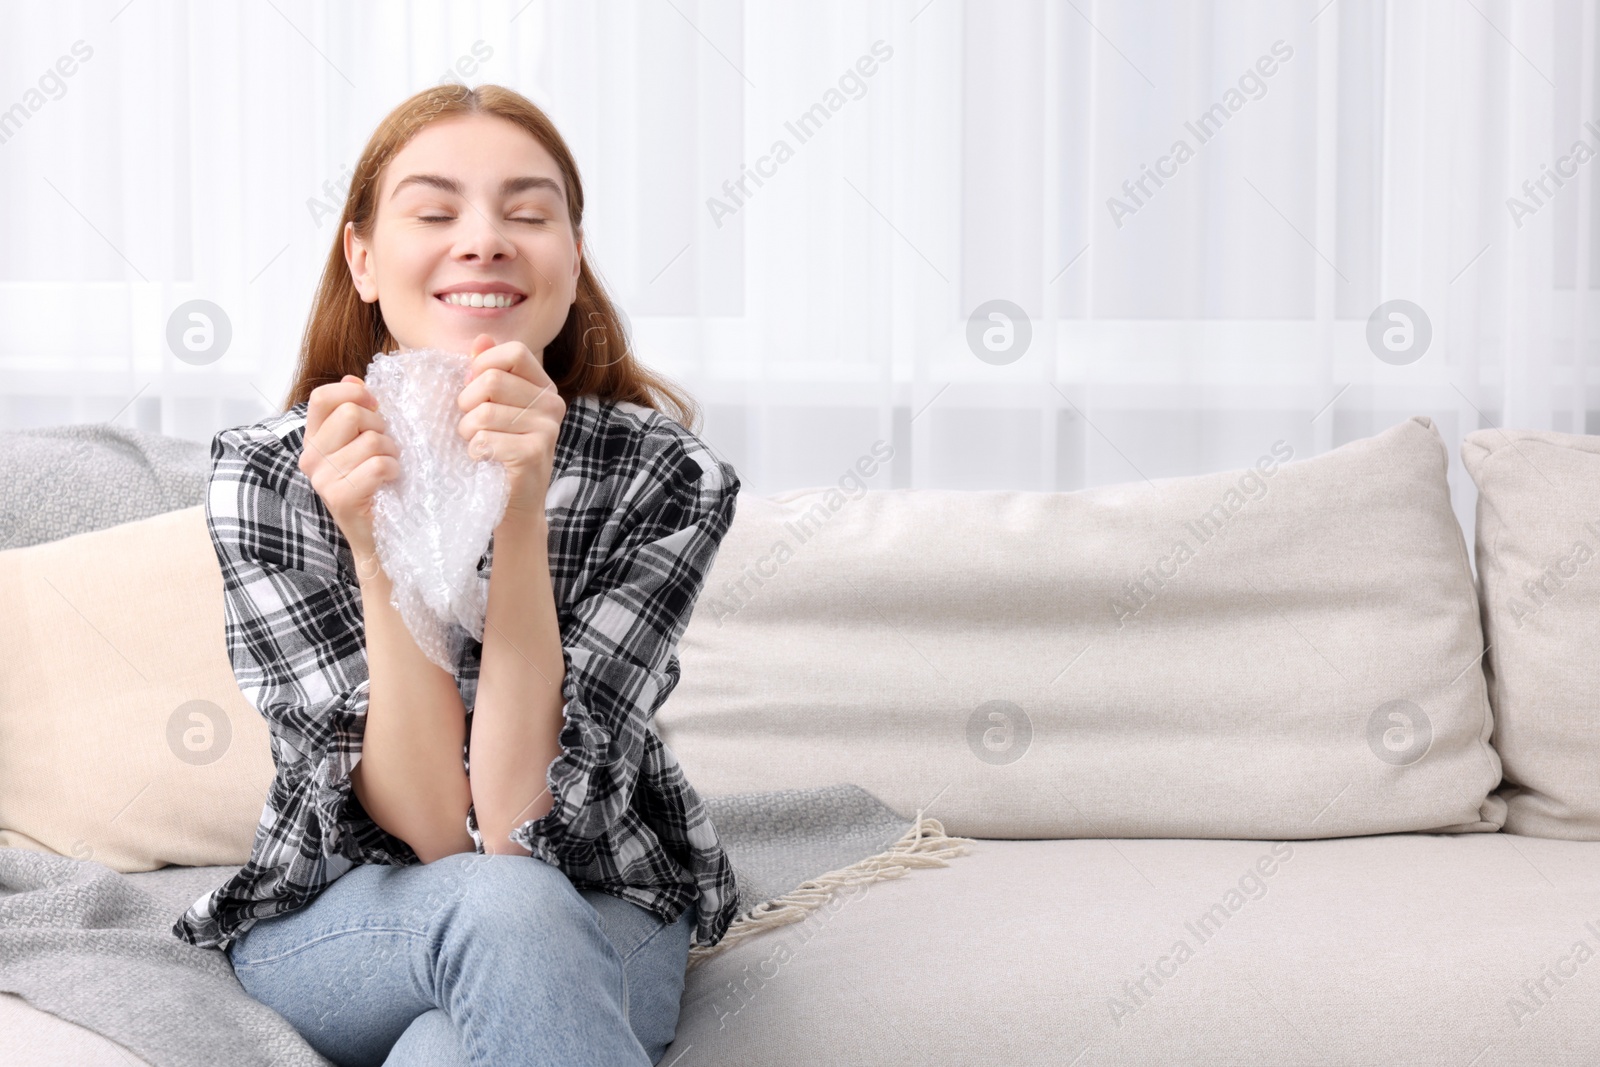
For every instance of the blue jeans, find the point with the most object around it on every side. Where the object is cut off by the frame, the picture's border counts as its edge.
(472, 959)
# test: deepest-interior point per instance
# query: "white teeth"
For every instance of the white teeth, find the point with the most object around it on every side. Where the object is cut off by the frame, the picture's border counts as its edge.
(480, 300)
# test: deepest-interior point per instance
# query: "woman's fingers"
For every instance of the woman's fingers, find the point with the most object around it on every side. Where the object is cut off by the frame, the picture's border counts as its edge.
(348, 454)
(349, 495)
(347, 422)
(338, 426)
(347, 477)
(371, 473)
(367, 444)
(326, 399)
(490, 444)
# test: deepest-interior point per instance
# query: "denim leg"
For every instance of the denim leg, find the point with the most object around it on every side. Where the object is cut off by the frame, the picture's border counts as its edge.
(654, 960)
(505, 945)
(338, 969)
(430, 1041)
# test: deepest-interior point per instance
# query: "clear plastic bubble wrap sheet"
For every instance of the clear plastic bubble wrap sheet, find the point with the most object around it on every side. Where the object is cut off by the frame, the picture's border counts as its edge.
(432, 524)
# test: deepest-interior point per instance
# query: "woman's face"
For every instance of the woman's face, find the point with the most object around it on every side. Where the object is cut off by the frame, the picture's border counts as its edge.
(472, 204)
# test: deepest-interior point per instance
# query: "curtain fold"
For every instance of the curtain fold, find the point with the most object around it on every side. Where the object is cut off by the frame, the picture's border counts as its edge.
(966, 230)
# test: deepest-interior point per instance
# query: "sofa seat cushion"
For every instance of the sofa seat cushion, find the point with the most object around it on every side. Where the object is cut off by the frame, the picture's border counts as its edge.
(1391, 949)
(33, 1038)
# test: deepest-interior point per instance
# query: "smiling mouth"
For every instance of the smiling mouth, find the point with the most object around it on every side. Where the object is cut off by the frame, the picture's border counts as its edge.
(486, 301)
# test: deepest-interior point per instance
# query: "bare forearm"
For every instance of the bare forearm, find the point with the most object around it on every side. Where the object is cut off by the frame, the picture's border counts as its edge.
(410, 778)
(516, 721)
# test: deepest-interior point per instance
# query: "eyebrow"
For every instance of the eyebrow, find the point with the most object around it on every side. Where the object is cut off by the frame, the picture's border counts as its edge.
(507, 188)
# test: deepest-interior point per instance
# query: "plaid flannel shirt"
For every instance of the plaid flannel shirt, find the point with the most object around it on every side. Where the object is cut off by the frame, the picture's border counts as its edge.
(637, 509)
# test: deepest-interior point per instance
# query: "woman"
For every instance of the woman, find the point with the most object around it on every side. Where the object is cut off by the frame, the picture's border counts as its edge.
(404, 903)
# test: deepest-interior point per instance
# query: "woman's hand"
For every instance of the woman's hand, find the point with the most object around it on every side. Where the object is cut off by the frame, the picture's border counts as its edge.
(513, 415)
(348, 454)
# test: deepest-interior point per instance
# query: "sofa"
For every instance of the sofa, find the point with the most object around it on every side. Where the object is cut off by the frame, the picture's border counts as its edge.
(1259, 767)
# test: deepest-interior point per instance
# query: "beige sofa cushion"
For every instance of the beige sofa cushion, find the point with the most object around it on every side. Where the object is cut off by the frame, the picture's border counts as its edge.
(1391, 950)
(1303, 662)
(123, 735)
(1538, 550)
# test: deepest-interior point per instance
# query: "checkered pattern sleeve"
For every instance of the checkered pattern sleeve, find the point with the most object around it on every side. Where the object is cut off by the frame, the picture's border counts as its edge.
(619, 643)
(295, 636)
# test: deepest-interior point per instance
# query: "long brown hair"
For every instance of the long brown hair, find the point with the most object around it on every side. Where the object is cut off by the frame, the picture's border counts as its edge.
(344, 332)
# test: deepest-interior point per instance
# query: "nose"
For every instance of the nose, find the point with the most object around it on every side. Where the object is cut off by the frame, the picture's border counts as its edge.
(480, 238)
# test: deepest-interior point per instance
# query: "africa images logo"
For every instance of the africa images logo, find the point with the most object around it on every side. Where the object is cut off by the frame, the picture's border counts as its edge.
(1252, 485)
(1252, 85)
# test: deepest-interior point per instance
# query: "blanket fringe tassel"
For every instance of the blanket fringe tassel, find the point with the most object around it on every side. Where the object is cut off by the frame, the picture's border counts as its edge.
(925, 844)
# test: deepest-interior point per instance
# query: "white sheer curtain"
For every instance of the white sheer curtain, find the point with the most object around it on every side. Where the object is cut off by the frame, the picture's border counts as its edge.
(957, 153)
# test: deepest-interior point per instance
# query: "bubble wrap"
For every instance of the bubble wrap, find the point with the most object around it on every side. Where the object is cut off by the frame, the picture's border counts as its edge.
(432, 524)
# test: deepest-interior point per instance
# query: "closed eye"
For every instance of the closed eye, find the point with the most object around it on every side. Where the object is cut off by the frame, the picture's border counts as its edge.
(447, 218)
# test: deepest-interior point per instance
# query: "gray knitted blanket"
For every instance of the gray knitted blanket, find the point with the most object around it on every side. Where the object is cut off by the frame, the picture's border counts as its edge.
(66, 480)
(96, 947)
